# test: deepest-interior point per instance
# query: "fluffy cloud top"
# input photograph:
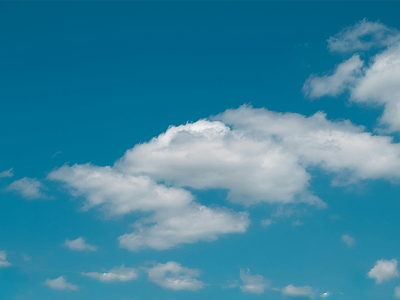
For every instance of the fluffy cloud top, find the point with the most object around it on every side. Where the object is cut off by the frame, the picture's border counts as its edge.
(378, 83)
(384, 270)
(29, 188)
(255, 284)
(79, 245)
(350, 242)
(259, 155)
(301, 291)
(175, 277)
(3, 259)
(7, 173)
(60, 284)
(115, 274)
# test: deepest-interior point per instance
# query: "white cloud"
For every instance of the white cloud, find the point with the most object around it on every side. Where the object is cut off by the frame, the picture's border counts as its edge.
(344, 76)
(29, 188)
(262, 155)
(118, 193)
(7, 173)
(267, 222)
(3, 259)
(176, 218)
(363, 36)
(376, 84)
(196, 223)
(384, 270)
(350, 242)
(255, 284)
(325, 295)
(397, 291)
(60, 284)
(175, 277)
(79, 245)
(301, 291)
(255, 154)
(115, 274)
(380, 85)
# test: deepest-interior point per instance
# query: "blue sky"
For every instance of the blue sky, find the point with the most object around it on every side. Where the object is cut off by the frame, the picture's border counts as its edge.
(199, 150)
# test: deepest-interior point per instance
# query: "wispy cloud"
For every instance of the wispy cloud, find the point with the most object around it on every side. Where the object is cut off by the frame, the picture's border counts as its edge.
(3, 259)
(7, 173)
(115, 274)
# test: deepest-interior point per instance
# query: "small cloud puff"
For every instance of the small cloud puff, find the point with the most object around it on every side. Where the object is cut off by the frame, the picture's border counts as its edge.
(29, 188)
(60, 284)
(350, 242)
(384, 270)
(255, 284)
(301, 291)
(172, 275)
(325, 295)
(265, 223)
(79, 245)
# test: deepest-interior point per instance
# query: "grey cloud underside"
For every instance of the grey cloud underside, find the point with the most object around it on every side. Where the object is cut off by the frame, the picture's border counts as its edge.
(255, 154)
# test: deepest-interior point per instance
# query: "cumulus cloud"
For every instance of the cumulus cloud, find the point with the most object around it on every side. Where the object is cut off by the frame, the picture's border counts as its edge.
(350, 242)
(259, 155)
(3, 259)
(344, 76)
(255, 284)
(255, 154)
(172, 275)
(29, 188)
(115, 274)
(79, 245)
(301, 291)
(60, 284)
(375, 84)
(363, 36)
(384, 270)
(7, 173)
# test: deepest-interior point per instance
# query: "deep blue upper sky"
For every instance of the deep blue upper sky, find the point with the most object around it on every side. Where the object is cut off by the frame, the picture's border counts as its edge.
(89, 80)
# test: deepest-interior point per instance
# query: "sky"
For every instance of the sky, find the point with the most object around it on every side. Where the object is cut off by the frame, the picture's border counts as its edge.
(199, 150)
